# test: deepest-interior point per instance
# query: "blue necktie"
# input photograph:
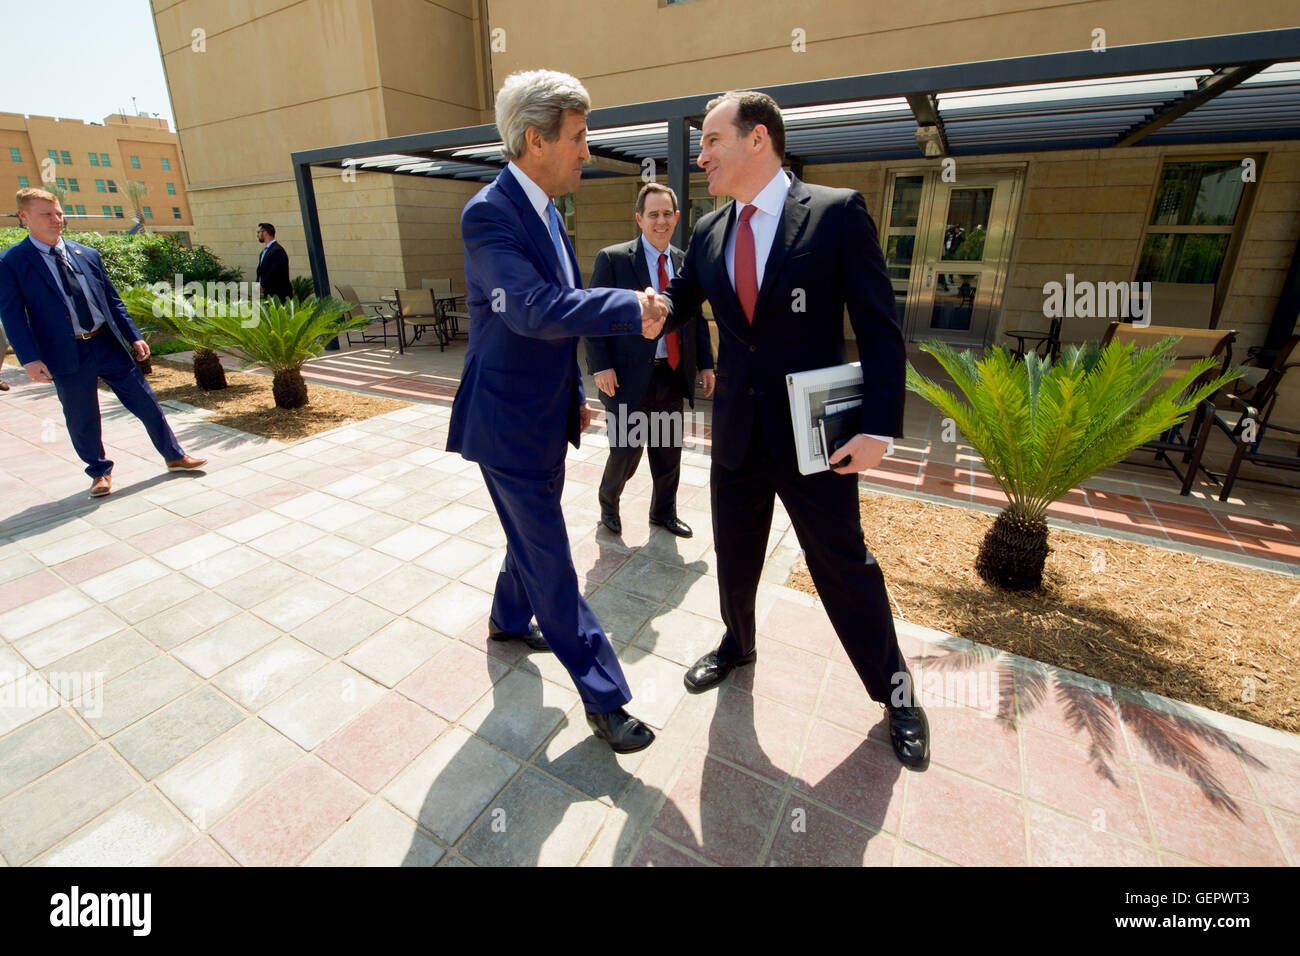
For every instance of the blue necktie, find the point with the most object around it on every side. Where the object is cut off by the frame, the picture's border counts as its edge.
(557, 237)
(85, 321)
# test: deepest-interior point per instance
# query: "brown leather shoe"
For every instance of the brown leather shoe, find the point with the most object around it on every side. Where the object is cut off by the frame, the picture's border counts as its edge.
(186, 464)
(102, 486)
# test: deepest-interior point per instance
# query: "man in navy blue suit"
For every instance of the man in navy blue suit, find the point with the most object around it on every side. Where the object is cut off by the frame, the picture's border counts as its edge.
(521, 393)
(56, 303)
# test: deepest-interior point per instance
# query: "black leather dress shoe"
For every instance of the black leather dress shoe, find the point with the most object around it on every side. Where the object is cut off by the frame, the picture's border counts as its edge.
(533, 638)
(710, 670)
(623, 732)
(909, 732)
(612, 523)
(675, 525)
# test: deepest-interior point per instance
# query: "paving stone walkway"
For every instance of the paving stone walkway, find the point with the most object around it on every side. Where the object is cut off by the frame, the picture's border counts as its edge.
(284, 661)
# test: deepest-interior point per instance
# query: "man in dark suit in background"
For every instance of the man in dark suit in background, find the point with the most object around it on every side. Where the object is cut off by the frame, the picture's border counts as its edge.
(521, 395)
(272, 264)
(779, 265)
(651, 378)
(56, 303)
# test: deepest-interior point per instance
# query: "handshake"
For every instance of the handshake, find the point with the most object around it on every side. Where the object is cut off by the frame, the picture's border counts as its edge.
(654, 312)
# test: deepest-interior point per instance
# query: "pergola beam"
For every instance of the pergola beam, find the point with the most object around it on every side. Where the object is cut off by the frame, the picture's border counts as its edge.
(1211, 86)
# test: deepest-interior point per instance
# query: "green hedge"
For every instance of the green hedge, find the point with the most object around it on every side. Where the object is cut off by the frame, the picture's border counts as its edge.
(147, 257)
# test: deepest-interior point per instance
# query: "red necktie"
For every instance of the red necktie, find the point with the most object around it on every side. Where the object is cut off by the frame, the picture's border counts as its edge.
(674, 347)
(746, 270)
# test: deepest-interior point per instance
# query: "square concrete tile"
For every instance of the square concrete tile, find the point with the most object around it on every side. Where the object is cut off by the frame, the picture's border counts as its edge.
(343, 626)
(60, 803)
(42, 613)
(143, 830)
(402, 589)
(186, 620)
(39, 747)
(452, 680)
(262, 584)
(809, 835)
(520, 713)
(68, 636)
(322, 704)
(648, 578)
(104, 587)
(377, 835)
(157, 743)
(679, 636)
(359, 570)
(144, 602)
(395, 651)
(452, 608)
(411, 542)
(382, 740)
(621, 614)
(230, 563)
(1058, 840)
(963, 820)
(225, 644)
(257, 680)
(322, 554)
(454, 558)
(584, 761)
(297, 605)
(213, 781)
(535, 822)
(137, 693)
(289, 817)
(449, 785)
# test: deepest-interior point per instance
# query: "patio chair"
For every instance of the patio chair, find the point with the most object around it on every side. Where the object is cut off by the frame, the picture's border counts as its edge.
(417, 310)
(380, 310)
(1189, 438)
(1256, 407)
(453, 317)
(1049, 342)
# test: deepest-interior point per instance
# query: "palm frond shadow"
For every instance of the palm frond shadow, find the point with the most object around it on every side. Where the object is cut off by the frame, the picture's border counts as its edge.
(1174, 742)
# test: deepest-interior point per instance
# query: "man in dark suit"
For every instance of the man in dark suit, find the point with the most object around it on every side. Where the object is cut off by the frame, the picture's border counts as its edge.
(641, 379)
(56, 303)
(521, 394)
(272, 264)
(779, 265)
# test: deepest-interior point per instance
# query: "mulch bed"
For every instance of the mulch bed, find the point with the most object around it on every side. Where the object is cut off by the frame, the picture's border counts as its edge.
(1178, 625)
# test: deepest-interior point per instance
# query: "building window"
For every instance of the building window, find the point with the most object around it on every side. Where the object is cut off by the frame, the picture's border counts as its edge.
(176, 212)
(94, 159)
(23, 182)
(81, 210)
(15, 154)
(135, 162)
(171, 189)
(167, 164)
(62, 183)
(112, 186)
(67, 159)
(108, 211)
(117, 212)
(54, 155)
(1192, 222)
(148, 212)
(73, 186)
(99, 186)
(103, 160)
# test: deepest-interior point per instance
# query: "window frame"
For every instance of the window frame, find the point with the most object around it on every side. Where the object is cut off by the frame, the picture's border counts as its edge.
(1235, 231)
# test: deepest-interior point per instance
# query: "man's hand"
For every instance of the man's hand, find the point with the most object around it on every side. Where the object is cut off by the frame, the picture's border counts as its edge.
(709, 380)
(584, 416)
(140, 349)
(37, 372)
(607, 381)
(866, 451)
(653, 313)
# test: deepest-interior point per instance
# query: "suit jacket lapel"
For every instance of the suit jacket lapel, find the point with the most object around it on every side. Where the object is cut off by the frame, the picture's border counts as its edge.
(715, 254)
(534, 227)
(793, 219)
(37, 265)
(639, 267)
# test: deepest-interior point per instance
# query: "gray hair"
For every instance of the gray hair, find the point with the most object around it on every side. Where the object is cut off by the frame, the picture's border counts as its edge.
(536, 98)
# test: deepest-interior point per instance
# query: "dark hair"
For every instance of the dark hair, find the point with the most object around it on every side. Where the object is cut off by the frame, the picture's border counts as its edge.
(649, 188)
(754, 108)
(270, 229)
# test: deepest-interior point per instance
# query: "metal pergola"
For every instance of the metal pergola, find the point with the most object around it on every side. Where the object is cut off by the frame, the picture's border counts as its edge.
(1206, 90)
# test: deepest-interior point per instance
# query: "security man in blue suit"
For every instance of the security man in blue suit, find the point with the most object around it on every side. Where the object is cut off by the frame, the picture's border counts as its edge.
(521, 393)
(56, 302)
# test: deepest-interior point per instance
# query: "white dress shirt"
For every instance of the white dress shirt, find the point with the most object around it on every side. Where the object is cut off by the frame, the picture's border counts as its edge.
(53, 266)
(769, 204)
(652, 263)
(265, 246)
(537, 196)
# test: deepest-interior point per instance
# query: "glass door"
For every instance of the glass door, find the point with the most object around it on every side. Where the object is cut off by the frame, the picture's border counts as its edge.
(947, 248)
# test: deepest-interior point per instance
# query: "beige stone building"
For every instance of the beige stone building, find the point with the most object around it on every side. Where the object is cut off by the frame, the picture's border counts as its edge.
(92, 163)
(1045, 168)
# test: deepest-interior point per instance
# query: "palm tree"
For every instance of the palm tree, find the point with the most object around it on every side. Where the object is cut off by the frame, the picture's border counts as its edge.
(135, 193)
(1043, 428)
(174, 314)
(282, 336)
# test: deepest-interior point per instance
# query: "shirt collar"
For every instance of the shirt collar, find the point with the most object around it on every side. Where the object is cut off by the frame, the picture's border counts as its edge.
(43, 248)
(536, 195)
(771, 199)
(651, 251)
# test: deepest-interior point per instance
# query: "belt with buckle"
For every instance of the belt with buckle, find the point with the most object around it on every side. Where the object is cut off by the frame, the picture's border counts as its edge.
(88, 335)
